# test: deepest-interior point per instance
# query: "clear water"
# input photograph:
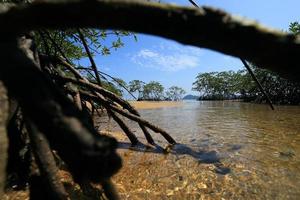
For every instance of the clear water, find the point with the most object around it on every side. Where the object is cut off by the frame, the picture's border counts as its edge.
(227, 150)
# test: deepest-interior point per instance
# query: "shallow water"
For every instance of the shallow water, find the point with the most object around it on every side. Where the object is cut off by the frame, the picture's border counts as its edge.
(227, 150)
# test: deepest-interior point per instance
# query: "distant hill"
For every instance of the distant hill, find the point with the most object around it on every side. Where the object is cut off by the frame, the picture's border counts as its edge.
(190, 97)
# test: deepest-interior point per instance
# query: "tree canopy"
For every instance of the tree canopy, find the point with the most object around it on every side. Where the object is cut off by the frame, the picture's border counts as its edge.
(175, 93)
(233, 85)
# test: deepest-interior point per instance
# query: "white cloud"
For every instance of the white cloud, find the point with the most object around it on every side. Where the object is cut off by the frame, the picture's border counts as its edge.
(169, 57)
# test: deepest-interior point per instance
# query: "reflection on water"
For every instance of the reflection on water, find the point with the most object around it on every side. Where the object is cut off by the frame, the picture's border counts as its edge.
(227, 150)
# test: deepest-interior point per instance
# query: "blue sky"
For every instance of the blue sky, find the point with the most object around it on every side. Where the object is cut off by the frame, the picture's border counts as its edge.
(166, 61)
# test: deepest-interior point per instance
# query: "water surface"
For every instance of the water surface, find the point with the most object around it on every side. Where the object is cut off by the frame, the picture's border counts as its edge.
(227, 150)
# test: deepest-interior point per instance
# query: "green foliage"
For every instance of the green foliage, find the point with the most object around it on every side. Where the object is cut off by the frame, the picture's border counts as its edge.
(68, 44)
(219, 85)
(115, 86)
(137, 86)
(231, 85)
(294, 28)
(153, 91)
(65, 40)
(119, 84)
(71, 45)
(175, 93)
(112, 88)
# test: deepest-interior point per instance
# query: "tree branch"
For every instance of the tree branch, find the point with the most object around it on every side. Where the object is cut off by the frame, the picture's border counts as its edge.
(46, 163)
(57, 117)
(207, 27)
(113, 78)
(105, 93)
(4, 108)
(249, 70)
(133, 139)
(258, 83)
(131, 116)
(87, 50)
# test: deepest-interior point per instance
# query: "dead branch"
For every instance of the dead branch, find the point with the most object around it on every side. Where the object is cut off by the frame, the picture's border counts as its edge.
(207, 27)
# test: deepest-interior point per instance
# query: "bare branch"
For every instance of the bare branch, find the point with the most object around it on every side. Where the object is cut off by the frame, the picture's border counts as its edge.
(258, 83)
(105, 93)
(133, 139)
(250, 71)
(113, 78)
(211, 28)
(94, 67)
(133, 117)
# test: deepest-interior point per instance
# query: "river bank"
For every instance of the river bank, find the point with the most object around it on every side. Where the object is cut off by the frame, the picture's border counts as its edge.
(155, 104)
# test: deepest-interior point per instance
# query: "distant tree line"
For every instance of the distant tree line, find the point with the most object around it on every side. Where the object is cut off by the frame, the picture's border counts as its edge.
(155, 91)
(152, 91)
(239, 85)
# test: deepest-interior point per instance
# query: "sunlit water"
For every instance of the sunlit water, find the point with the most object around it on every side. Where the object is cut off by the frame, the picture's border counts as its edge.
(227, 150)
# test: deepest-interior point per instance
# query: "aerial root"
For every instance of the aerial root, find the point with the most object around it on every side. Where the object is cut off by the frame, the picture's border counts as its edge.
(95, 93)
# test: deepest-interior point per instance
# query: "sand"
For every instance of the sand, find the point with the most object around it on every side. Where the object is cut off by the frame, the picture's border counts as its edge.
(154, 104)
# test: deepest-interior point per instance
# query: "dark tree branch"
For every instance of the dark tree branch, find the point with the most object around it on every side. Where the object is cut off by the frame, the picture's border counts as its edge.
(207, 27)
(194, 3)
(113, 78)
(250, 72)
(109, 190)
(57, 117)
(133, 139)
(106, 94)
(258, 83)
(92, 61)
(131, 116)
(4, 108)
(46, 163)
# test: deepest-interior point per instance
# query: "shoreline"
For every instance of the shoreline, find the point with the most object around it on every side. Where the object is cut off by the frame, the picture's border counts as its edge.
(154, 104)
